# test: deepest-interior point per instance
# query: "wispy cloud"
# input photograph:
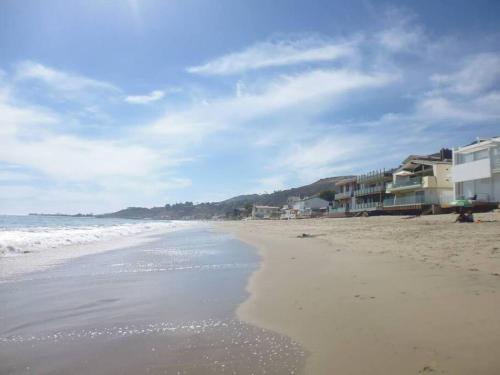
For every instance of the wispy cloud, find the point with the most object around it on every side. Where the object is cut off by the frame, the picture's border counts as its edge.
(145, 99)
(65, 82)
(477, 74)
(113, 168)
(276, 53)
(312, 90)
(319, 156)
(402, 33)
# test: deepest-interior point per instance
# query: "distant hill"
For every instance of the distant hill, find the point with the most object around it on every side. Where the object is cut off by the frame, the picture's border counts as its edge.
(228, 208)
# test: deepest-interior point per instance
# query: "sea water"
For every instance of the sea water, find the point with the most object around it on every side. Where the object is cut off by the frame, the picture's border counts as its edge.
(29, 243)
(162, 306)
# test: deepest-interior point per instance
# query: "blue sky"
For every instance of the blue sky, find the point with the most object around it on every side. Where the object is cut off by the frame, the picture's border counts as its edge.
(105, 105)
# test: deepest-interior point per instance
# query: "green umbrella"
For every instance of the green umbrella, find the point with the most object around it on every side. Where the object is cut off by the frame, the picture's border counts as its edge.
(461, 203)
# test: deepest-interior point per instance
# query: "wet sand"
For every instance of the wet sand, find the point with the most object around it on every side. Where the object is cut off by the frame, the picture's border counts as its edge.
(380, 295)
(165, 307)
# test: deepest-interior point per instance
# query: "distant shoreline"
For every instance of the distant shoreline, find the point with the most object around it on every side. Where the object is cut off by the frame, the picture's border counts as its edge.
(63, 215)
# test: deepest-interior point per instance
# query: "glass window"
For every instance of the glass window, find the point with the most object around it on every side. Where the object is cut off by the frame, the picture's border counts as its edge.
(482, 154)
(467, 158)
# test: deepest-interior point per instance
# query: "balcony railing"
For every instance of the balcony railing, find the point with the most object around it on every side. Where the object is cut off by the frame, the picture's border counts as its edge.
(381, 175)
(369, 190)
(338, 209)
(411, 199)
(344, 195)
(364, 206)
(403, 184)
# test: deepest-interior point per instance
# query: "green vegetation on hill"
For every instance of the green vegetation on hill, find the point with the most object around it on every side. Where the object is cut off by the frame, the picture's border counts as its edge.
(239, 206)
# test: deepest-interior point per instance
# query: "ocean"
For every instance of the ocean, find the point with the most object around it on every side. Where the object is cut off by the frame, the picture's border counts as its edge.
(30, 243)
(164, 304)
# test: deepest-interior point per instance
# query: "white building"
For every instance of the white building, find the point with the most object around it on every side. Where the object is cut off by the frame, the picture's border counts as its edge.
(308, 206)
(288, 213)
(266, 212)
(476, 170)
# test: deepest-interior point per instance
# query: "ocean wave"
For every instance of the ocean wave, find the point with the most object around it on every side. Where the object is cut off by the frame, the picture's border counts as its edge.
(17, 242)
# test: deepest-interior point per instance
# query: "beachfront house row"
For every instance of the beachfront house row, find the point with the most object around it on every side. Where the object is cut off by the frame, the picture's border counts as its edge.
(476, 171)
(265, 212)
(344, 197)
(421, 182)
(370, 191)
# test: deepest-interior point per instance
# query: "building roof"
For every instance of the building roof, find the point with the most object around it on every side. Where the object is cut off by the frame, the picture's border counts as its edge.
(413, 161)
(479, 143)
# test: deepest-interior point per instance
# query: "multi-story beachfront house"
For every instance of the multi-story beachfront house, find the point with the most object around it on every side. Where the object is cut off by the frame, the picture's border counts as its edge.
(344, 197)
(265, 212)
(370, 191)
(476, 171)
(421, 182)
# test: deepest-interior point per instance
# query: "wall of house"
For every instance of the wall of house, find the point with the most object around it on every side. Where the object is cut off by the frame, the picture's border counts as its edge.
(442, 173)
(315, 203)
(474, 170)
(496, 187)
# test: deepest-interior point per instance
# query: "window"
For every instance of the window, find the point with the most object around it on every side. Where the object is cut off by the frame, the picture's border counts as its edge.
(482, 154)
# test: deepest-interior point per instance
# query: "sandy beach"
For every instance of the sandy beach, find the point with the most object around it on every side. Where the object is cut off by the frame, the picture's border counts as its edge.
(380, 295)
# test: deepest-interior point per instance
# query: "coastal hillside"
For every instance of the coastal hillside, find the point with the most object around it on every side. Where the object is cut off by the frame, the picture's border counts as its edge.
(228, 208)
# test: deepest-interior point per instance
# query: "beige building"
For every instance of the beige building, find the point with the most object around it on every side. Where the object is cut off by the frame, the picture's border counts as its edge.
(421, 181)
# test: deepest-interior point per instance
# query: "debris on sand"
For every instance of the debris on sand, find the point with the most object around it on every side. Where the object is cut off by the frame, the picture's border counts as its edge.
(307, 235)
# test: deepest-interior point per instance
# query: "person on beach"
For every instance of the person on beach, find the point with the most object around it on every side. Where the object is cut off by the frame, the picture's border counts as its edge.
(464, 217)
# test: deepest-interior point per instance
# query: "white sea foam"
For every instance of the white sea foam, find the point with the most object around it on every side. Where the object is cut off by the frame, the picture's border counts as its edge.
(30, 248)
(36, 239)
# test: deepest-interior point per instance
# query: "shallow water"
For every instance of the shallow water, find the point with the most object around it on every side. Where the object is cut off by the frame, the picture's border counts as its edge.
(164, 307)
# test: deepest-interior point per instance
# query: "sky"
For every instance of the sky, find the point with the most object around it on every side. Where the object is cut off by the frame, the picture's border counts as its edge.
(111, 104)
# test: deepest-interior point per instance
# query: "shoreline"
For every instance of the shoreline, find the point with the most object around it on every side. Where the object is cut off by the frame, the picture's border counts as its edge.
(361, 300)
(12, 267)
(163, 307)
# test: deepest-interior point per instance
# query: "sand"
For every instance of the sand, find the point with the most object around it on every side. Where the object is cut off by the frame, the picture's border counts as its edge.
(380, 295)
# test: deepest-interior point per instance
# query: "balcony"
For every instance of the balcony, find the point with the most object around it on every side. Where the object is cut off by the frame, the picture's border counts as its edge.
(374, 176)
(369, 190)
(366, 206)
(409, 200)
(338, 210)
(411, 183)
(345, 195)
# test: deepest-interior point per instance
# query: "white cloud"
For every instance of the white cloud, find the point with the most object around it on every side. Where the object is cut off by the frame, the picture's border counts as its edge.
(480, 109)
(62, 82)
(110, 165)
(269, 184)
(401, 33)
(308, 92)
(276, 53)
(14, 176)
(477, 74)
(145, 99)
